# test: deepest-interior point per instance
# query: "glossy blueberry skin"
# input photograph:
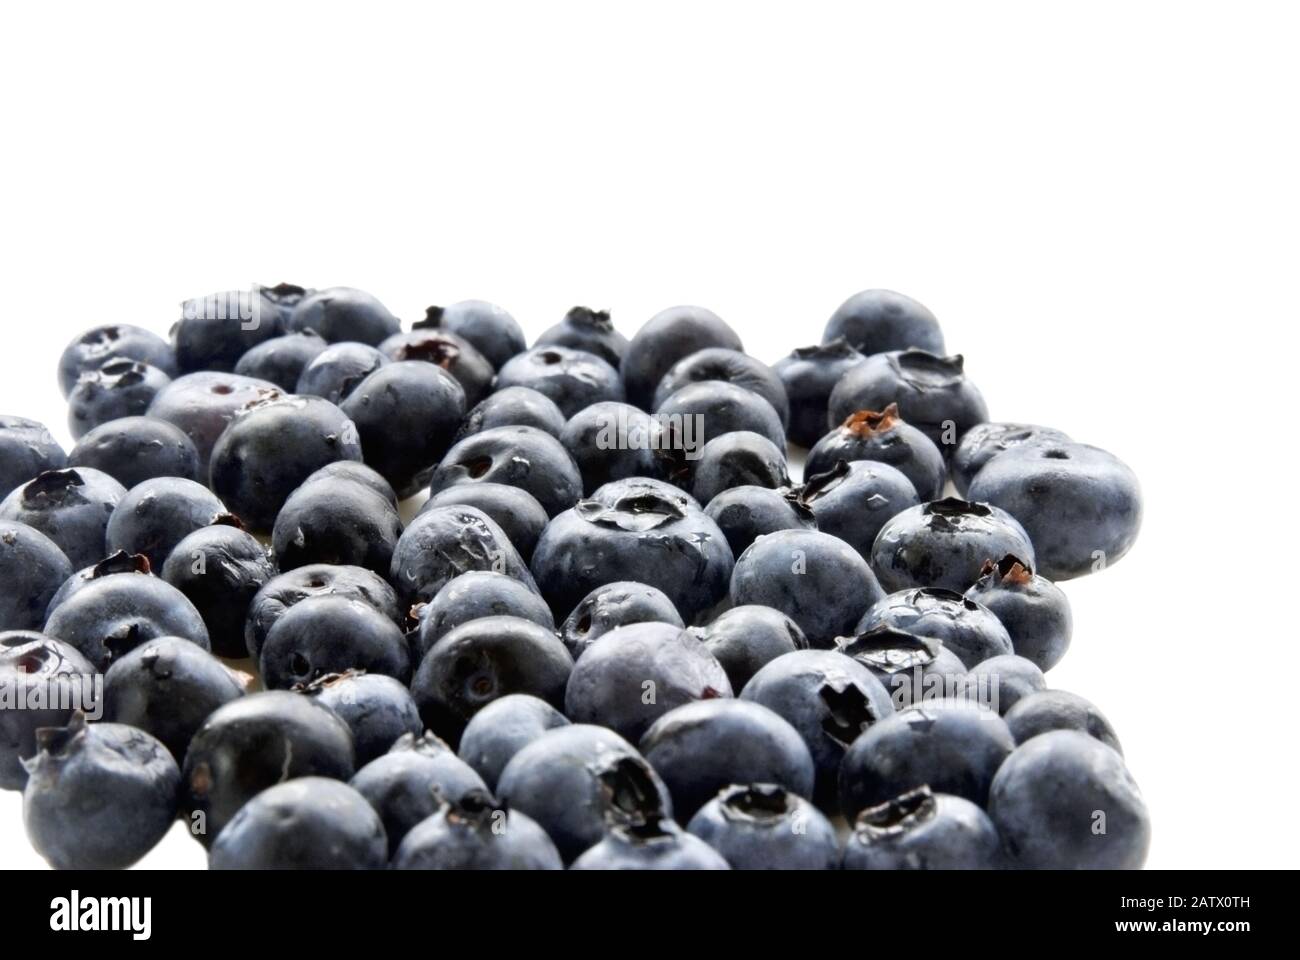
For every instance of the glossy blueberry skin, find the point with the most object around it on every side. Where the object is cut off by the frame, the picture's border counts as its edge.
(358, 473)
(71, 507)
(168, 687)
(27, 449)
(214, 331)
(454, 355)
(482, 661)
(119, 562)
(98, 797)
(513, 407)
(1046, 710)
(378, 710)
(610, 679)
(961, 625)
(340, 314)
(829, 699)
(744, 514)
(112, 615)
(324, 635)
(658, 845)
(1081, 506)
(854, 501)
(585, 329)
(157, 514)
(407, 413)
(878, 321)
(615, 605)
(1013, 677)
(944, 544)
(612, 441)
(764, 827)
(203, 404)
(574, 779)
(574, 379)
(444, 543)
(809, 374)
(523, 457)
(984, 441)
(284, 591)
(1034, 610)
(99, 345)
(922, 830)
(931, 391)
(725, 408)
(949, 745)
(337, 370)
(745, 639)
(120, 388)
(474, 835)
(1044, 802)
(491, 330)
(667, 337)
(908, 666)
(134, 449)
(740, 459)
(515, 511)
(336, 521)
(731, 366)
(64, 677)
(817, 580)
(311, 823)
(647, 538)
(473, 596)
(501, 729)
(32, 569)
(253, 743)
(882, 438)
(281, 360)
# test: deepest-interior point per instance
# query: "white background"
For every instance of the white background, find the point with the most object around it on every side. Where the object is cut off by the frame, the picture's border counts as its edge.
(1098, 200)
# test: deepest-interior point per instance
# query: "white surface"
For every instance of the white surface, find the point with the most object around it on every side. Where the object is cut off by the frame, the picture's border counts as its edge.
(1100, 203)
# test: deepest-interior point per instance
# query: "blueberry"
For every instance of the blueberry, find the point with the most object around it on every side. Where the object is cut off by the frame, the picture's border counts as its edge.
(576, 779)
(765, 827)
(745, 639)
(203, 404)
(97, 346)
(631, 488)
(910, 667)
(336, 521)
(120, 562)
(984, 441)
(585, 329)
(739, 459)
(706, 746)
(1065, 801)
(32, 569)
(134, 449)
(574, 379)
(1012, 677)
(157, 514)
(358, 473)
(515, 511)
(321, 580)
(655, 845)
(473, 834)
(271, 448)
(513, 407)
(744, 514)
(473, 596)
(253, 743)
(282, 360)
(523, 457)
(452, 354)
(33, 665)
(666, 338)
(698, 412)
(818, 581)
(482, 661)
(284, 297)
(647, 537)
(491, 330)
(338, 370)
(944, 543)
(98, 797)
(378, 710)
(809, 374)
(829, 699)
(71, 507)
(311, 823)
(878, 321)
(446, 542)
(214, 331)
(949, 745)
(168, 687)
(612, 441)
(501, 729)
(1045, 710)
(1081, 506)
(120, 388)
(732, 366)
(1034, 610)
(615, 605)
(341, 313)
(921, 830)
(884, 438)
(27, 449)
(407, 414)
(323, 635)
(961, 625)
(853, 501)
(931, 391)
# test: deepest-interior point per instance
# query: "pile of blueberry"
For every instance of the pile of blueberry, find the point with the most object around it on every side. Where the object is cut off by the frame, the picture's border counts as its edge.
(616, 635)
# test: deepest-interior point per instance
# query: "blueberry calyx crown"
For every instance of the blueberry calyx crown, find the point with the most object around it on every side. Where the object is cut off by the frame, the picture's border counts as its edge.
(848, 711)
(57, 742)
(644, 511)
(587, 317)
(284, 290)
(121, 562)
(944, 596)
(897, 816)
(322, 683)
(946, 515)
(118, 373)
(52, 488)
(1010, 569)
(889, 649)
(761, 802)
(836, 349)
(925, 370)
(431, 348)
(820, 484)
(476, 808)
(427, 744)
(432, 319)
(628, 791)
(869, 423)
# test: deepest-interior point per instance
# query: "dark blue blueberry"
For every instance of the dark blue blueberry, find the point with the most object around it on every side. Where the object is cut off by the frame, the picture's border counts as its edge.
(961, 625)
(745, 639)
(168, 687)
(282, 360)
(135, 449)
(120, 388)
(984, 441)
(377, 709)
(631, 488)
(615, 605)
(157, 514)
(323, 635)
(765, 827)
(32, 569)
(340, 314)
(96, 347)
(654, 845)
(119, 562)
(491, 330)
(523, 457)
(877, 321)
(284, 297)
(34, 666)
(809, 374)
(214, 331)
(473, 834)
(853, 501)
(612, 441)
(320, 580)
(1065, 801)
(338, 370)
(203, 404)
(71, 507)
(1081, 506)
(473, 596)
(731, 366)
(739, 459)
(1045, 710)
(922, 830)
(501, 729)
(883, 438)
(1034, 610)
(515, 511)
(911, 668)
(744, 514)
(667, 337)
(945, 543)
(98, 797)
(336, 521)
(357, 472)
(585, 329)
(513, 407)
(818, 581)
(454, 355)
(311, 823)
(27, 449)
(1012, 677)
(574, 379)
(698, 412)
(444, 543)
